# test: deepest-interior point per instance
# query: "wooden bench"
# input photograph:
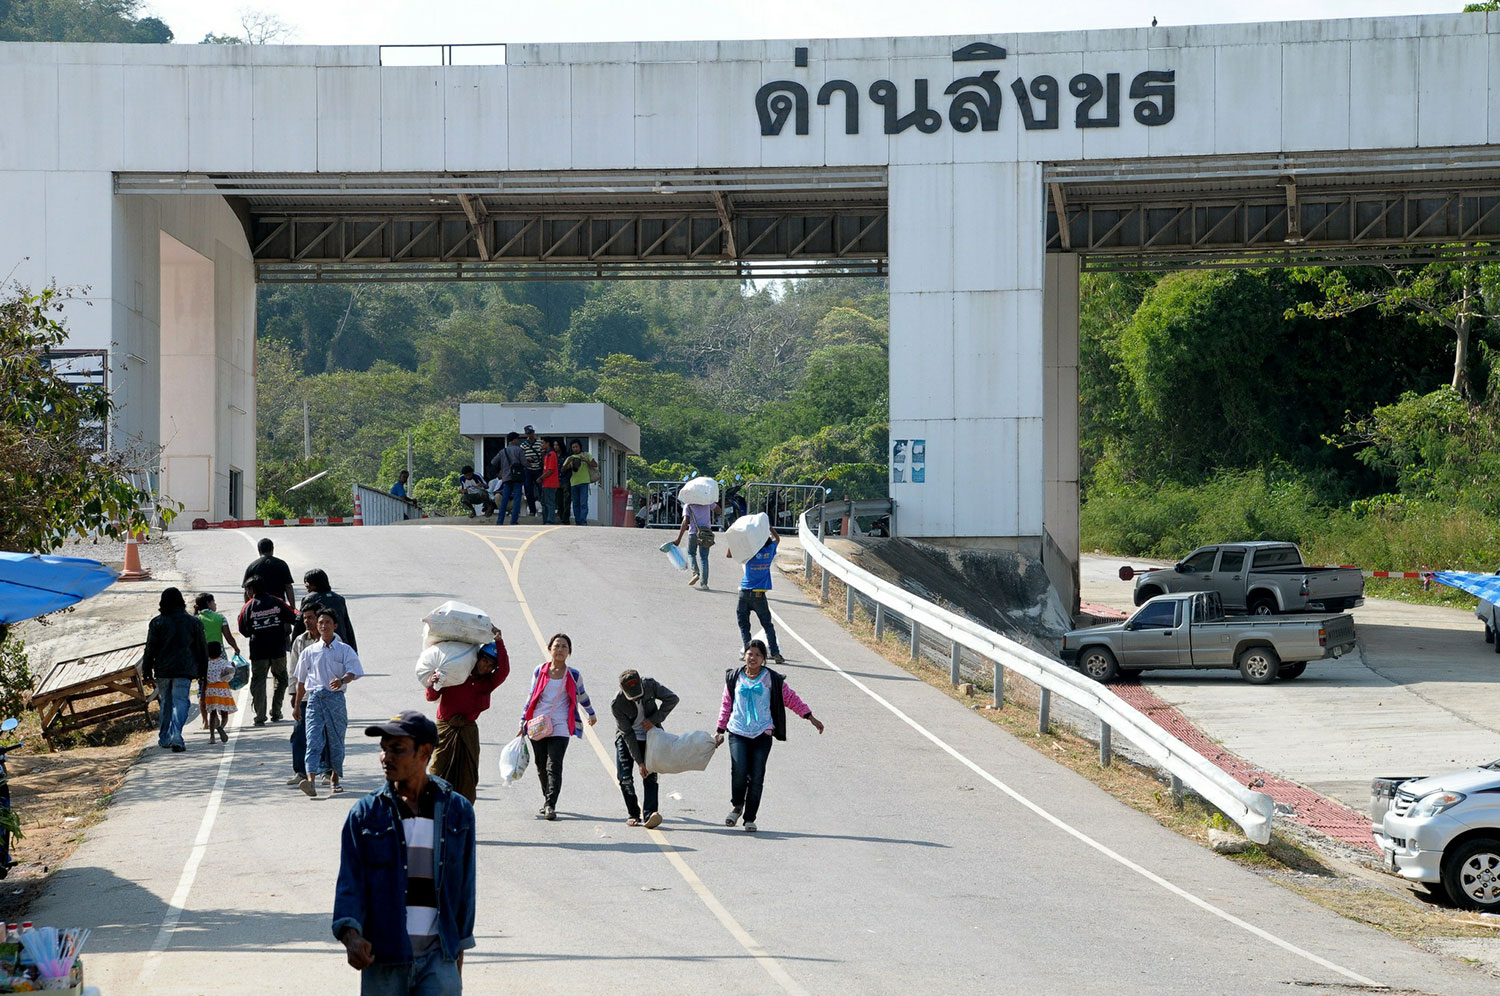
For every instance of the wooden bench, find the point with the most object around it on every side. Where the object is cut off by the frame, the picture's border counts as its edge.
(113, 675)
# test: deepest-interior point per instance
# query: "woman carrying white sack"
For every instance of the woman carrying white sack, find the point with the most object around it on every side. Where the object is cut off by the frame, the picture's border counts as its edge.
(456, 759)
(641, 705)
(698, 498)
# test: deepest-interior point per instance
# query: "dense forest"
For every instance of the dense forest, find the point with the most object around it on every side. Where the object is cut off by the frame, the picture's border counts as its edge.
(786, 381)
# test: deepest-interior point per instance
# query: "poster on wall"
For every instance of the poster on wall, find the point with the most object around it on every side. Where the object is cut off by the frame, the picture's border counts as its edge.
(908, 461)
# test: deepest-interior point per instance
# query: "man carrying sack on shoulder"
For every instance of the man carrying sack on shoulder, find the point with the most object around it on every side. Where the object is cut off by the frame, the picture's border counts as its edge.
(641, 705)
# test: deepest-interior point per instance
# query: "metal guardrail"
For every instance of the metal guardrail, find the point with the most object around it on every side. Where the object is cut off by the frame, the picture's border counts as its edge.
(381, 508)
(1251, 810)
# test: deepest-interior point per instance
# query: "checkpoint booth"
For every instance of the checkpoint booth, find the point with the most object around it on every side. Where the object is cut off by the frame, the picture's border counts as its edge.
(606, 434)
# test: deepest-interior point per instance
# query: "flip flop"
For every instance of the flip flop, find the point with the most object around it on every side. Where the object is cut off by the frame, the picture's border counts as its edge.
(634, 821)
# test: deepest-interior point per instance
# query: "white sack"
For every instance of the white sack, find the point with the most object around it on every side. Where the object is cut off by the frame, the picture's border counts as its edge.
(452, 660)
(746, 535)
(457, 621)
(513, 760)
(699, 491)
(667, 754)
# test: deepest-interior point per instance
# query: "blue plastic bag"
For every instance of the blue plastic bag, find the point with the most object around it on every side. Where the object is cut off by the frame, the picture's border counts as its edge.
(241, 673)
(675, 556)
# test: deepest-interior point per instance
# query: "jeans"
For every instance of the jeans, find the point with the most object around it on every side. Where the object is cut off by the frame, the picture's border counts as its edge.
(580, 504)
(549, 753)
(530, 485)
(299, 751)
(327, 722)
(547, 499)
(625, 768)
(755, 601)
(510, 490)
(747, 772)
(700, 568)
(563, 495)
(258, 669)
(173, 703)
(429, 975)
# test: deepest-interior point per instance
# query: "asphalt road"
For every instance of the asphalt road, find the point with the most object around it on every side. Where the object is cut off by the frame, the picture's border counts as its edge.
(914, 847)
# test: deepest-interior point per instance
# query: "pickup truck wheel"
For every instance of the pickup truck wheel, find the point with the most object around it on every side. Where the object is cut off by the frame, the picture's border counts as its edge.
(1471, 874)
(1289, 671)
(1098, 663)
(1145, 594)
(1259, 665)
(1262, 606)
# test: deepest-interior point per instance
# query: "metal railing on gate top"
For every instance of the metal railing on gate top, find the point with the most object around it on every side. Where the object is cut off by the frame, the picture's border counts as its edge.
(1251, 810)
(784, 503)
(380, 508)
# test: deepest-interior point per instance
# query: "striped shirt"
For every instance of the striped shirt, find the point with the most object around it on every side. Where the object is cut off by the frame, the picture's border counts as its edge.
(421, 887)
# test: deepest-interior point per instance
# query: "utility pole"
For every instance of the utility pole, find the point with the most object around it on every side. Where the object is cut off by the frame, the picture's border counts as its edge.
(306, 433)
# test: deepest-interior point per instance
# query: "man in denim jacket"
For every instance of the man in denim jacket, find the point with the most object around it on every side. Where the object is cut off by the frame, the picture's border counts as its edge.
(404, 905)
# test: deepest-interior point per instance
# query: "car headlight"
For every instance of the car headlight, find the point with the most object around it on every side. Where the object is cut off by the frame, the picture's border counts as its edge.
(1436, 802)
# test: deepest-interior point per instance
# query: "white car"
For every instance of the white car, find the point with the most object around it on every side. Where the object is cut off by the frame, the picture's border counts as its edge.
(1443, 831)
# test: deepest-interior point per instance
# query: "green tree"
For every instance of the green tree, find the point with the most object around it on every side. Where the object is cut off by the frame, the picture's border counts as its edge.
(57, 478)
(603, 326)
(80, 21)
(677, 420)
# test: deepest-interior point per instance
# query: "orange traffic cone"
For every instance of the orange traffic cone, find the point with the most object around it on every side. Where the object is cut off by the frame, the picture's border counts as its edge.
(359, 518)
(133, 570)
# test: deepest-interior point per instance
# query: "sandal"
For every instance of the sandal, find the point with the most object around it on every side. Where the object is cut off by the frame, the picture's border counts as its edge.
(634, 821)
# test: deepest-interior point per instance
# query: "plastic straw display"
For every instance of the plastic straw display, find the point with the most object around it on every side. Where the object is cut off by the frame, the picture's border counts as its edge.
(53, 950)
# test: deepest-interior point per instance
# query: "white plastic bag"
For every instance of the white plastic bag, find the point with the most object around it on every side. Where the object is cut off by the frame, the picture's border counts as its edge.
(513, 760)
(457, 621)
(699, 491)
(747, 534)
(452, 660)
(669, 754)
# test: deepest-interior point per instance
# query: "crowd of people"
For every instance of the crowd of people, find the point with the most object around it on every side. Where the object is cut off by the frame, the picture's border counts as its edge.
(550, 477)
(406, 930)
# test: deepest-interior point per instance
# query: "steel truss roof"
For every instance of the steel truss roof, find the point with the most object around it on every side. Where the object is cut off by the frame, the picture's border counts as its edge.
(1291, 210)
(570, 225)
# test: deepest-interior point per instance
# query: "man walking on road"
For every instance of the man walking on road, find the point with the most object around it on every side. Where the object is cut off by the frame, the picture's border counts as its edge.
(273, 572)
(323, 672)
(511, 465)
(264, 618)
(531, 449)
(320, 595)
(175, 654)
(642, 703)
(404, 904)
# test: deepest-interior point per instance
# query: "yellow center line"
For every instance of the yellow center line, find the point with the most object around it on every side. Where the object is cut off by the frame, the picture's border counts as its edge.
(726, 919)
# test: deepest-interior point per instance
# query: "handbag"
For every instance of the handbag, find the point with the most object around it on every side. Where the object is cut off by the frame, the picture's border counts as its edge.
(539, 727)
(241, 676)
(705, 536)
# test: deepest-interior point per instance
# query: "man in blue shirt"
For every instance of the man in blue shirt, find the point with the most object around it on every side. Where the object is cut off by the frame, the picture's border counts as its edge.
(399, 488)
(404, 903)
(753, 588)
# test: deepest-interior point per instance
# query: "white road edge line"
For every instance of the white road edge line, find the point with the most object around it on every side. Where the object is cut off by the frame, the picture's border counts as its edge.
(179, 898)
(1176, 890)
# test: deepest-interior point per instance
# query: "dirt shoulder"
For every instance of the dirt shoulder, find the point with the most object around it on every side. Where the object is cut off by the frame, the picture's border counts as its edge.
(59, 792)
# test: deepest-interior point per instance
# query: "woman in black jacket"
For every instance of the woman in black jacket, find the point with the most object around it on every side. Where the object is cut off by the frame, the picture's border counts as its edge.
(176, 653)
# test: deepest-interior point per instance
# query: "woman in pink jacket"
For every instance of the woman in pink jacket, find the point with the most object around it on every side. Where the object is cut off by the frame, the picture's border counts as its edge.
(756, 699)
(551, 717)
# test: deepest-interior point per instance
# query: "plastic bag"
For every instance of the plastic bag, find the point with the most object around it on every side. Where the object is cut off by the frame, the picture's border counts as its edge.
(457, 621)
(699, 491)
(241, 676)
(452, 660)
(747, 535)
(513, 760)
(668, 754)
(674, 555)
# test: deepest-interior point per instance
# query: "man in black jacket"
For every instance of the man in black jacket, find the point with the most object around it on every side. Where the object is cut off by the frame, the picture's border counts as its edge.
(642, 703)
(320, 595)
(175, 654)
(265, 618)
(273, 572)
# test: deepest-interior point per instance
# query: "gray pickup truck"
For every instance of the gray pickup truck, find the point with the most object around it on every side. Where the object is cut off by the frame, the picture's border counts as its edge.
(1260, 578)
(1189, 631)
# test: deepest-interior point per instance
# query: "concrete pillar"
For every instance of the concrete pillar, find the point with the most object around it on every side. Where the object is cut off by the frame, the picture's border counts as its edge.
(1060, 402)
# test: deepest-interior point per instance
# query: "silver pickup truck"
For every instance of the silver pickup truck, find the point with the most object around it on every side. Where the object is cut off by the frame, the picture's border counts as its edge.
(1261, 578)
(1189, 631)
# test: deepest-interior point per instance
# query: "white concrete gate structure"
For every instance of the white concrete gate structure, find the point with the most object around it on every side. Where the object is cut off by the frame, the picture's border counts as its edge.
(978, 172)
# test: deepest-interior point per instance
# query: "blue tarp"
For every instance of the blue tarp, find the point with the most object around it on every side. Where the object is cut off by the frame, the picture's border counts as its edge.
(1486, 586)
(33, 584)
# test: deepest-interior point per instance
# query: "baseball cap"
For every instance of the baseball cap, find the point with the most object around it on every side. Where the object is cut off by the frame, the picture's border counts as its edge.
(530, 429)
(630, 683)
(407, 723)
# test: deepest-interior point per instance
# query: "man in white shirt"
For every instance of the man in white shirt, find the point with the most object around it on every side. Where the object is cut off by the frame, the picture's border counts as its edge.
(323, 670)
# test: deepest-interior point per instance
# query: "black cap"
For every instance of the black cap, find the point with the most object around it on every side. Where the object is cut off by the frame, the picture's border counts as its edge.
(630, 684)
(530, 429)
(408, 723)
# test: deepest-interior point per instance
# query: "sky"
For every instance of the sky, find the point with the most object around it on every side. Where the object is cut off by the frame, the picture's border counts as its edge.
(385, 22)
